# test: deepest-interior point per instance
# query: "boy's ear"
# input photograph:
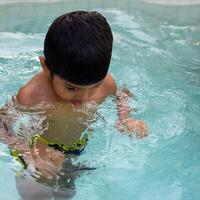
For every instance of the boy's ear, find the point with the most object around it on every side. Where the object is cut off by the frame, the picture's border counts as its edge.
(42, 63)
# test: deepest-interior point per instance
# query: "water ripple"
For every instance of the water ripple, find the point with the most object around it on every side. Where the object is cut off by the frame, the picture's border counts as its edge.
(19, 43)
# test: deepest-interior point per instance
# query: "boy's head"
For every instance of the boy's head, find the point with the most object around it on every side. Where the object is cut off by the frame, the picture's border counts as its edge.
(78, 47)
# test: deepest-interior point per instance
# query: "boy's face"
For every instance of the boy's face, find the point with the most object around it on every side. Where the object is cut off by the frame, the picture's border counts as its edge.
(72, 93)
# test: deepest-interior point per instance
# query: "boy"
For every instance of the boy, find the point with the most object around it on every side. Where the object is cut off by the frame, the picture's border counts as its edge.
(77, 53)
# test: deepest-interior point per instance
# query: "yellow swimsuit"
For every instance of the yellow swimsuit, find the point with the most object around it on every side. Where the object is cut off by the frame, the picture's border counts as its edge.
(76, 148)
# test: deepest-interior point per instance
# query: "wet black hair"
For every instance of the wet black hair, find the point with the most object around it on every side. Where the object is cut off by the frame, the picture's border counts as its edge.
(78, 47)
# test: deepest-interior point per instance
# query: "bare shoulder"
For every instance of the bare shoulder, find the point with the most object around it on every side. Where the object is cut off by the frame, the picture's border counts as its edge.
(29, 94)
(110, 86)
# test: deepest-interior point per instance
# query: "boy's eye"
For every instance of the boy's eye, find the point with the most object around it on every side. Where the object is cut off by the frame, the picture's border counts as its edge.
(71, 89)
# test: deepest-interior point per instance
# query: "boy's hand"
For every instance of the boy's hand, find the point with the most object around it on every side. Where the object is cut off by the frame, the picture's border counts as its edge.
(133, 126)
(45, 161)
(125, 123)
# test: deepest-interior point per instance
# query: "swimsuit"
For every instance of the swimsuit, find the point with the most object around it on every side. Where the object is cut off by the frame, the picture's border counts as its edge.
(76, 148)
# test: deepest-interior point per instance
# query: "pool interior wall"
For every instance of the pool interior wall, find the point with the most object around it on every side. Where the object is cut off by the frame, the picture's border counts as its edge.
(159, 2)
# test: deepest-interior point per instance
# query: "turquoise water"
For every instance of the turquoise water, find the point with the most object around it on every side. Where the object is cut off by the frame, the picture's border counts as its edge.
(156, 56)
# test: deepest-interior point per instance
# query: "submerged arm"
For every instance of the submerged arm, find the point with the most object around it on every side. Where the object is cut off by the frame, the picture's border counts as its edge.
(8, 138)
(40, 159)
(125, 122)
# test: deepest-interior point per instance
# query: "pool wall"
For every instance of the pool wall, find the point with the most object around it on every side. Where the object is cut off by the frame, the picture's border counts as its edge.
(159, 2)
(173, 2)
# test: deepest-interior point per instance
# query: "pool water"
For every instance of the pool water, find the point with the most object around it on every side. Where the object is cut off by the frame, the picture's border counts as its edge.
(156, 55)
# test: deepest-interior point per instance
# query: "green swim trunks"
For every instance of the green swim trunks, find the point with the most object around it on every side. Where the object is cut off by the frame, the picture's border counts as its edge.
(76, 148)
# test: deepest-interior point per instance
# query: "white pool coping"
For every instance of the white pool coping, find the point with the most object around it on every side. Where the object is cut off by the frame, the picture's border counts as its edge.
(29, 1)
(173, 2)
(158, 2)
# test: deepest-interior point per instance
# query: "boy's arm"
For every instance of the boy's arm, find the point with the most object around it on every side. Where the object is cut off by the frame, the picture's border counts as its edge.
(125, 122)
(11, 140)
(40, 159)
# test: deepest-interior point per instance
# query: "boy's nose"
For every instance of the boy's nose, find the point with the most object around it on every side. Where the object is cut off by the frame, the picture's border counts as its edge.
(83, 95)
